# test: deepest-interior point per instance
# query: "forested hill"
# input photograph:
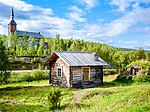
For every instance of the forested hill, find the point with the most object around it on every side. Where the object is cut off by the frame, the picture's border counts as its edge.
(117, 56)
(128, 49)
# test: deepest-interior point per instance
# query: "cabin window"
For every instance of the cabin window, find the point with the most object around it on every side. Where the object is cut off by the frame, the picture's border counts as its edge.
(59, 71)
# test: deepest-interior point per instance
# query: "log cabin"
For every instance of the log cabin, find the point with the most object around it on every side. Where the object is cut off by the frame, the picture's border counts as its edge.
(76, 69)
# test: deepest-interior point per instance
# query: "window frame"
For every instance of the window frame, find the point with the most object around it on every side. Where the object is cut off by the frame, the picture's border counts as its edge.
(60, 72)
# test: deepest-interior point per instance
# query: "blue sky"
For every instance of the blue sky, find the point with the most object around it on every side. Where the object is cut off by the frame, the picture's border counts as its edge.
(119, 23)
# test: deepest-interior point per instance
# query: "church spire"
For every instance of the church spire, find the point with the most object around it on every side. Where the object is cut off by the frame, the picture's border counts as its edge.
(12, 14)
(12, 21)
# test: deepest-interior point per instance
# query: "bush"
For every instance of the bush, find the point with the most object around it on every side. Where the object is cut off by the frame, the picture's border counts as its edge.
(124, 79)
(36, 60)
(110, 71)
(21, 77)
(38, 74)
(54, 98)
(27, 77)
(14, 77)
(4, 77)
(16, 61)
(142, 78)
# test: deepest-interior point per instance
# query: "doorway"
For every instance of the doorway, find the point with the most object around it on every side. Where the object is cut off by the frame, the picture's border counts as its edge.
(86, 74)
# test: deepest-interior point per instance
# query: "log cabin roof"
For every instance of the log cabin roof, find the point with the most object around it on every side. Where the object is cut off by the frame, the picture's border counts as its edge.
(77, 58)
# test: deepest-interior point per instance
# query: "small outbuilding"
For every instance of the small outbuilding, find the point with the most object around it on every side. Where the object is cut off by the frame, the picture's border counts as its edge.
(76, 69)
(134, 69)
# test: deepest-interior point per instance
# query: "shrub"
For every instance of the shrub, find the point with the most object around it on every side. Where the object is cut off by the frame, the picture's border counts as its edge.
(4, 77)
(142, 78)
(40, 67)
(54, 98)
(14, 77)
(46, 75)
(36, 60)
(27, 77)
(38, 74)
(110, 71)
(124, 79)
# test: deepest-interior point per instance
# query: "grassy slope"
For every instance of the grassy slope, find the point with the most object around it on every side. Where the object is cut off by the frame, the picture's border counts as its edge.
(32, 97)
(116, 99)
(29, 98)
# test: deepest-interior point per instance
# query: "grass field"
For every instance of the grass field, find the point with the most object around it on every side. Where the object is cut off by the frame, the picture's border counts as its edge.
(29, 97)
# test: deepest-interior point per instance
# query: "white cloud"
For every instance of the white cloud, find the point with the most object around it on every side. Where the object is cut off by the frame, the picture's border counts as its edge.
(129, 19)
(128, 42)
(89, 4)
(35, 18)
(2, 30)
(122, 4)
(147, 45)
(76, 14)
(23, 6)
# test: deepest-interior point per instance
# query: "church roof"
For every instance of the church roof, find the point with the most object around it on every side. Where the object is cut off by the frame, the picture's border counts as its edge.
(12, 22)
(30, 34)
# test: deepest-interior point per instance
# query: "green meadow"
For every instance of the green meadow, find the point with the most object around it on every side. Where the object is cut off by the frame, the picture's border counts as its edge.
(33, 96)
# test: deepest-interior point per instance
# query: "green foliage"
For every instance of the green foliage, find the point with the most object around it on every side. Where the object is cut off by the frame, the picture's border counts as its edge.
(123, 79)
(36, 60)
(109, 71)
(28, 76)
(148, 56)
(118, 57)
(141, 78)
(4, 64)
(54, 98)
(144, 64)
(140, 54)
(40, 67)
(40, 51)
(38, 74)
(20, 77)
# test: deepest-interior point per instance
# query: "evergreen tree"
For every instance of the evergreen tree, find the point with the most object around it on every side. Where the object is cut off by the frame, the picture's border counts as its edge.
(4, 64)
(35, 50)
(25, 41)
(140, 54)
(148, 56)
(40, 51)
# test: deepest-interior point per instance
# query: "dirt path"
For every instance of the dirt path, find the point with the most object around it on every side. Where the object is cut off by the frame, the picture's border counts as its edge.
(79, 96)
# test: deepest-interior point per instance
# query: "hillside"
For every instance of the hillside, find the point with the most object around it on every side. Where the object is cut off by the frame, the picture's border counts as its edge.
(22, 48)
(127, 49)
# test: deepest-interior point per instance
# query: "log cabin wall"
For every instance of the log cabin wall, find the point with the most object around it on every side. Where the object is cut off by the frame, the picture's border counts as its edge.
(64, 79)
(95, 74)
(76, 75)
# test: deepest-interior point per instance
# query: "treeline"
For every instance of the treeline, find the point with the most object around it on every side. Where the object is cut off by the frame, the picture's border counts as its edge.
(116, 57)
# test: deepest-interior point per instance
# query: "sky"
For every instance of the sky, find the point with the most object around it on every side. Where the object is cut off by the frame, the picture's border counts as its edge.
(119, 23)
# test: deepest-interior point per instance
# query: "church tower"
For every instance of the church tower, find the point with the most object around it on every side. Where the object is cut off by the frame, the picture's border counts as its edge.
(12, 26)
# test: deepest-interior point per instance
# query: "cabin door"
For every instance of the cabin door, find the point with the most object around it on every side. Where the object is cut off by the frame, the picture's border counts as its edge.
(86, 74)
